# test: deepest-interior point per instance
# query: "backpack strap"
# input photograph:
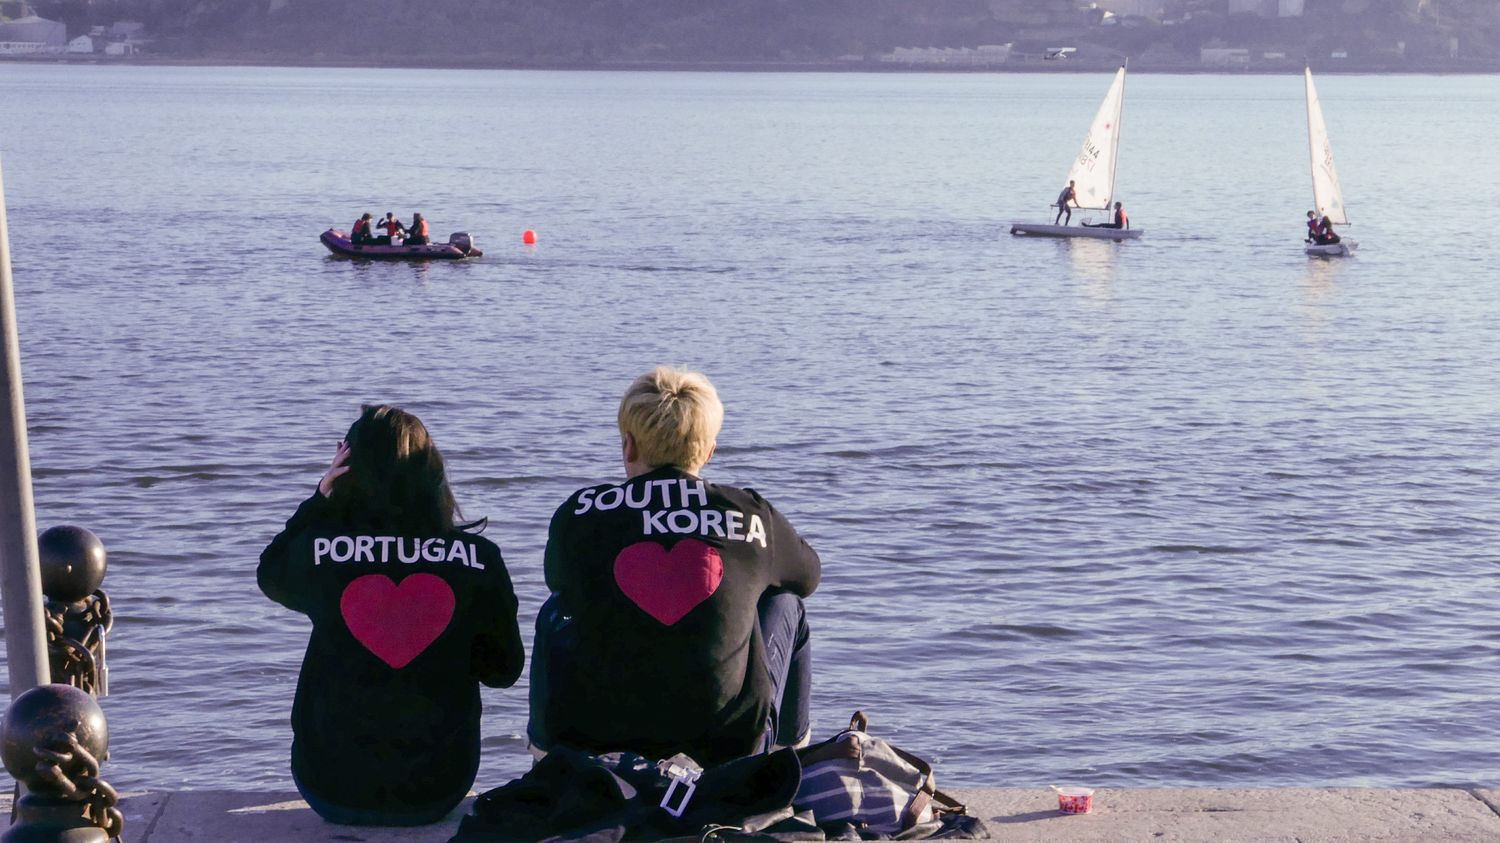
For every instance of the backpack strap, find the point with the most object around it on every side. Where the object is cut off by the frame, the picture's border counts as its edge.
(922, 766)
(927, 792)
(923, 797)
(913, 813)
(845, 746)
(947, 804)
(929, 796)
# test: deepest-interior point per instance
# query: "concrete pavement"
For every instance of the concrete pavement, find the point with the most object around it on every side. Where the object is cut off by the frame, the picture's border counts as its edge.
(1294, 815)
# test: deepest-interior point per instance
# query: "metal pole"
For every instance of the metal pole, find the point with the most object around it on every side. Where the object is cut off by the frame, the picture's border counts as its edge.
(20, 572)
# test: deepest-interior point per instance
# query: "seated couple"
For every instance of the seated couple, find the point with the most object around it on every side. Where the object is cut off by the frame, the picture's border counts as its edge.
(675, 624)
(1320, 230)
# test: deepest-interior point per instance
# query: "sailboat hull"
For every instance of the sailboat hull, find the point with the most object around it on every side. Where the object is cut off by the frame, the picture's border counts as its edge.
(1333, 250)
(1027, 229)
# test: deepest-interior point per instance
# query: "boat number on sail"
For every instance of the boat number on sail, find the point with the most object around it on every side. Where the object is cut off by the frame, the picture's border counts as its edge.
(1089, 155)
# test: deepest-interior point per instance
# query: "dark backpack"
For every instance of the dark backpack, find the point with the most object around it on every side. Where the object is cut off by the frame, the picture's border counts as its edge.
(575, 796)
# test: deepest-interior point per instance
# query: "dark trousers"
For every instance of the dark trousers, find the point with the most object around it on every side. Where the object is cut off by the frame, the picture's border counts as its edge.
(788, 648)
(340, 815)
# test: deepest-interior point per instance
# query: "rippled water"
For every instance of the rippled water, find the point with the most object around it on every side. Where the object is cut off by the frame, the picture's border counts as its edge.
(1188, 510)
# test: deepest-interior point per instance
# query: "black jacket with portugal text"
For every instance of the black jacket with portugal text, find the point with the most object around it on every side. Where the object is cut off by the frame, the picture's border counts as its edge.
(662, 576)
(404, 627)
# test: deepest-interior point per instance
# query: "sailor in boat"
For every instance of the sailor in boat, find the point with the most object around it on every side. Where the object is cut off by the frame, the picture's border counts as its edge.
(1328, 234)
(1121, 219)
(1068, 195)
(1320, 231)
(417, 234)
(360, 235)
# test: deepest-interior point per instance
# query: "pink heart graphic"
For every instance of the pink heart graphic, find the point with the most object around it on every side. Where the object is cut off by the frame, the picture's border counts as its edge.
(668, 584)
(397, 622)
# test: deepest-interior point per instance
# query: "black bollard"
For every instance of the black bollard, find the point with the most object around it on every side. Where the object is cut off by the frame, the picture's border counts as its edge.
(73, 563)
(51, 741)
(78, 615)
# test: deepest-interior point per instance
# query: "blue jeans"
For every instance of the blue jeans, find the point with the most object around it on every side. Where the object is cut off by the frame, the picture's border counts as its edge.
(783, 629)
(788, 649)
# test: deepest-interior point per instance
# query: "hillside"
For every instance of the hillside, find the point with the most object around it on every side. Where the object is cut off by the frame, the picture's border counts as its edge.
(1383, 33)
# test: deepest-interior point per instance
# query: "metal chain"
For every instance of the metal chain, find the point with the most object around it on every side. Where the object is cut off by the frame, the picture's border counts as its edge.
(80, 663)
(66, 766)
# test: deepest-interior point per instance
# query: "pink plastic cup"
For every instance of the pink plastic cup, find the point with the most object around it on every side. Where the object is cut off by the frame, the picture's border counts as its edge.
(1075, 800)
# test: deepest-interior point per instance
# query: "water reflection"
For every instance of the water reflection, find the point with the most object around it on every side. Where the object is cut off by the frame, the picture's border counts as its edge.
(384, 270)
(1321, 273)
(1093, 263)
(1317, 293)
(1317, 288)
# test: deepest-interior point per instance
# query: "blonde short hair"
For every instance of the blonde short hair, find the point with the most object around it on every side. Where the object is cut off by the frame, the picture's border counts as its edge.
(675, 416)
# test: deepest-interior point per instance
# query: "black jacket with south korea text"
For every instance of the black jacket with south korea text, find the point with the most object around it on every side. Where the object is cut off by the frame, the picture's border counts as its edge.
(662, 576)
(404, 627)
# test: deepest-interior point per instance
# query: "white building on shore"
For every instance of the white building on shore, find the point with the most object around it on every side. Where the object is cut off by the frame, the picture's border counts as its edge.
(1154, 9)
(1224, 57)
(987, 55)
(50, 36)
(1268, 8)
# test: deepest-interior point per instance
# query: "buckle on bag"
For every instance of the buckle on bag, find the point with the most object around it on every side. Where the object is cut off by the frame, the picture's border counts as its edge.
(680, 776)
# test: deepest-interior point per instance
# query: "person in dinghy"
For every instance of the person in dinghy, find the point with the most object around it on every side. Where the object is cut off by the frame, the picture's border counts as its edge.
(360, 235)
(1120, 219)
(1069, 194)
(1320, 231)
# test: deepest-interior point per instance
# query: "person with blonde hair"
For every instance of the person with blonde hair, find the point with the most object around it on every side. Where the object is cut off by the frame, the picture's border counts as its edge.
(676, 621)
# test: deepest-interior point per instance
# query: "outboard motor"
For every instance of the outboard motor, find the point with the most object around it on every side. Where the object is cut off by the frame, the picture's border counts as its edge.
(462, 241)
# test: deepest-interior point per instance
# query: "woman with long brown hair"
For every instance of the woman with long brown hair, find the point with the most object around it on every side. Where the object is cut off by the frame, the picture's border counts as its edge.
(410, 612)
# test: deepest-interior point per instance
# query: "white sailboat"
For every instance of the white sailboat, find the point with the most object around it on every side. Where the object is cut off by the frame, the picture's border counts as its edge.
(1093, 174)
(1328, 198)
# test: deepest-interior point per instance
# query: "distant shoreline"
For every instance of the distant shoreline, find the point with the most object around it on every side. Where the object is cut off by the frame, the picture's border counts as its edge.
(1326, 66)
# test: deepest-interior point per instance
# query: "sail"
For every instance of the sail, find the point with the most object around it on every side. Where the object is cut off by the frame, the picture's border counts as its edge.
(1093, 174)
(1327, 197)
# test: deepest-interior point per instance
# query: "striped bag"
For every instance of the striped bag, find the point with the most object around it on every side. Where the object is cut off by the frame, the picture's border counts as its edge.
(862, 780)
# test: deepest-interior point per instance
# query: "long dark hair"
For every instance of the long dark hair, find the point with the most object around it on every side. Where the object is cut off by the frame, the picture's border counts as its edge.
(396, 476)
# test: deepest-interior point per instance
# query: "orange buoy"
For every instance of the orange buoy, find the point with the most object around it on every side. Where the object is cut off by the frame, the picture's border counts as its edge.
(528, 237)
